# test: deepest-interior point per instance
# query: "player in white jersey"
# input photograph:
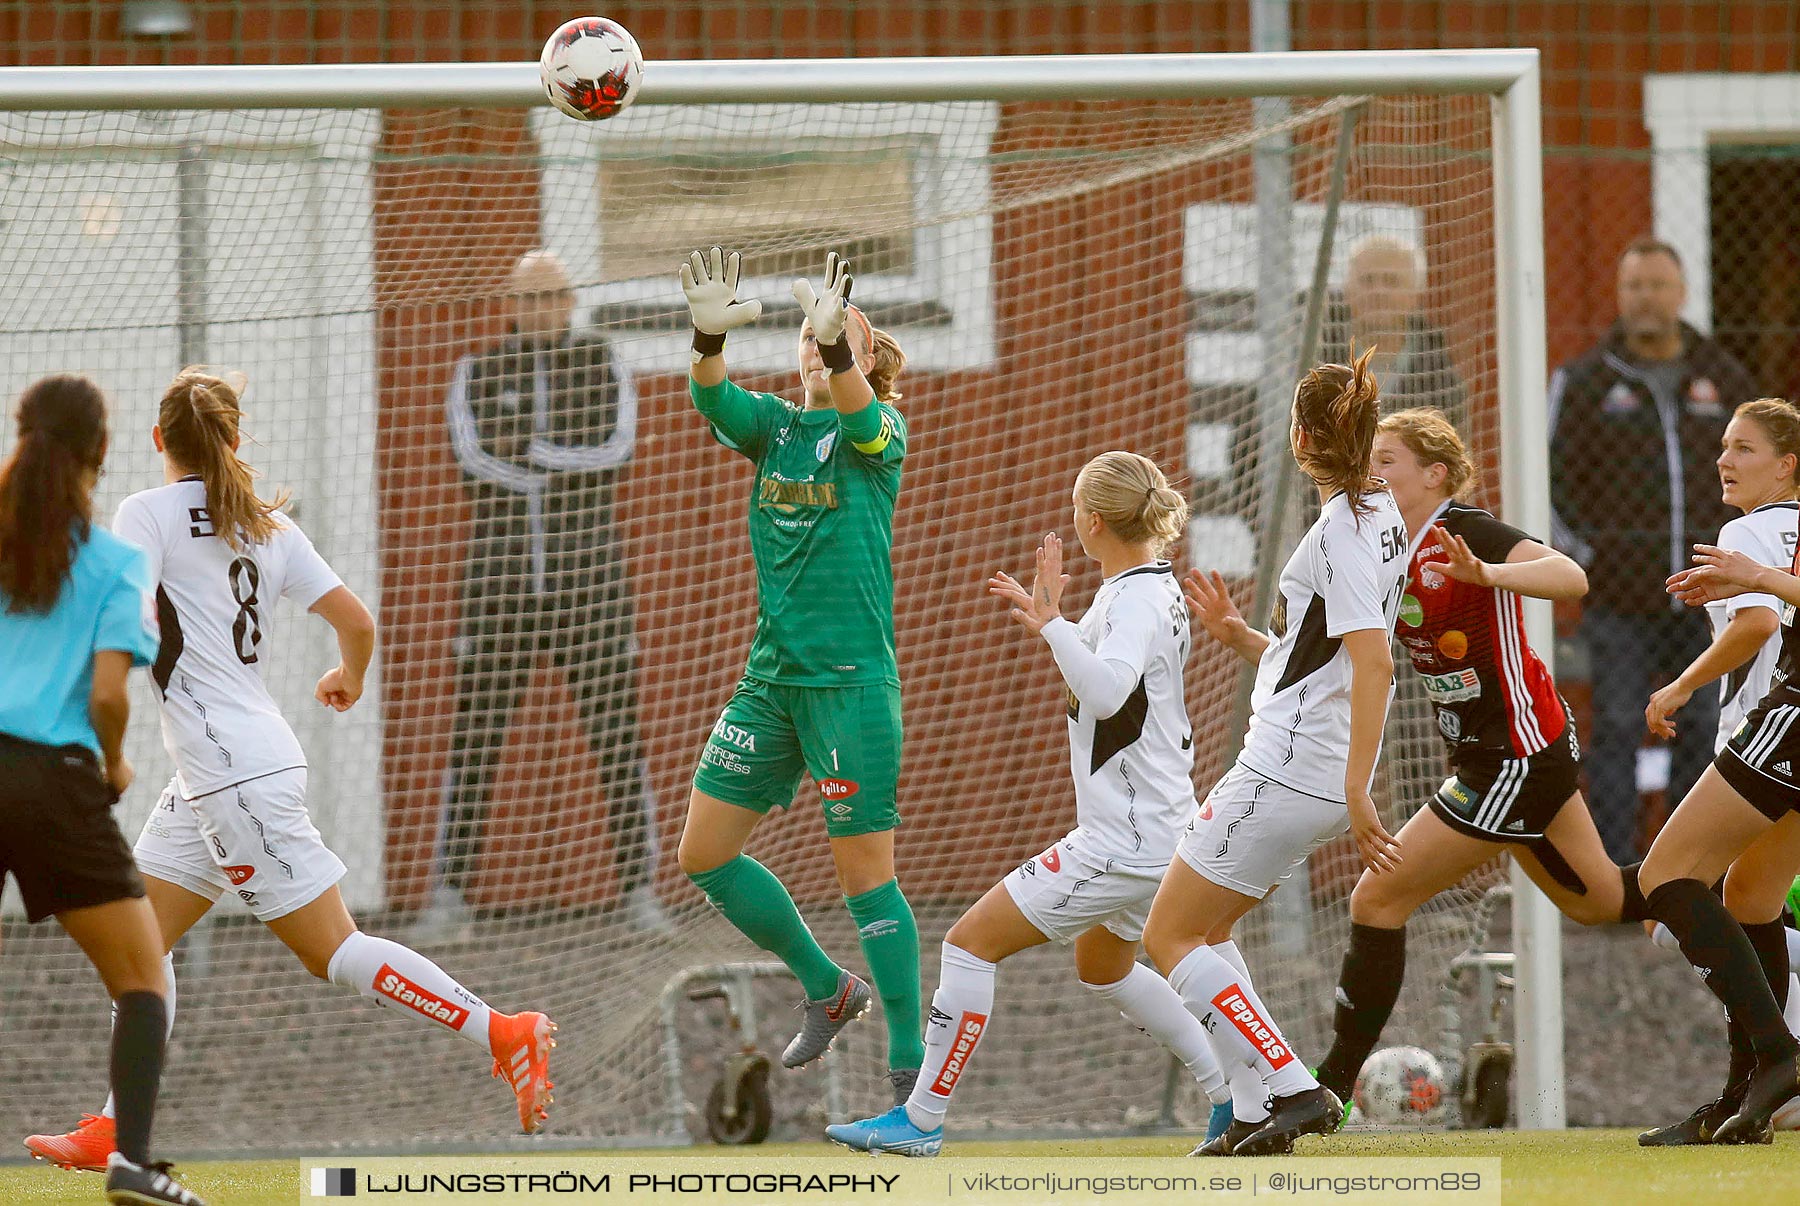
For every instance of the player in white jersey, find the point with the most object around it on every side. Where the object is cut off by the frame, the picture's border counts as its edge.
(1757, 471)
(1130, 754)
(234, 818)
(1322, 689)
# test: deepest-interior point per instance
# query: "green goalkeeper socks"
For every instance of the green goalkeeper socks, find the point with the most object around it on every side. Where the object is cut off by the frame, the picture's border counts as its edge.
(754, 901)
(890, 942)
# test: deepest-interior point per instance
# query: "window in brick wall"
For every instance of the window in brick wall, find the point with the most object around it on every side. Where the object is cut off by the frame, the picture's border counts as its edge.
(902, 190)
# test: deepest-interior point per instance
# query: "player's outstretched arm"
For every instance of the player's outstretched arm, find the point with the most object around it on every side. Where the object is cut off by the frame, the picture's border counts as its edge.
(1721, 573)
(1531, 569)
(1210, 602)
(342, 685)
(710, 281)
(1738, 642)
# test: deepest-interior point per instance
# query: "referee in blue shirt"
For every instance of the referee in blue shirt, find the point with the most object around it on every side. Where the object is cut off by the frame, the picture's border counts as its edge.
(75, 616)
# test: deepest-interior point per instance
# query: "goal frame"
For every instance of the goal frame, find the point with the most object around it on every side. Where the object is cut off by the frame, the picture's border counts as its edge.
(1509, 77)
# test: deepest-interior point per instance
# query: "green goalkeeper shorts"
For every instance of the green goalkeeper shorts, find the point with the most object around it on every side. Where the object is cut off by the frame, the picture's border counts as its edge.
(846, 738)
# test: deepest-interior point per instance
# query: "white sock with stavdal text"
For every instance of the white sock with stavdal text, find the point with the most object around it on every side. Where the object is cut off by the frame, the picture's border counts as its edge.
(959, 1016)
(402, 979)
(1238, 1021)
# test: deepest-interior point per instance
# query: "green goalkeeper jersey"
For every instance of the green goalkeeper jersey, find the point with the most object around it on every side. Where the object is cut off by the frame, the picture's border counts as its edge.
(821, 533)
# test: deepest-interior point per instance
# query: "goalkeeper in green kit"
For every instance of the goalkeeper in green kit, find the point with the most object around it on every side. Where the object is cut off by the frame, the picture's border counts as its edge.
(820, 692)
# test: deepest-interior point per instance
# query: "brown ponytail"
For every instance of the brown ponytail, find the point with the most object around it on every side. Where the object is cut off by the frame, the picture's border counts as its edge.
(199, 419)
(46, 501)
(1337, 406)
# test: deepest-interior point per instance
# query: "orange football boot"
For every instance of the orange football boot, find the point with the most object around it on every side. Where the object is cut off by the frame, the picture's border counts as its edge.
(521, 1044)
(83, 1149)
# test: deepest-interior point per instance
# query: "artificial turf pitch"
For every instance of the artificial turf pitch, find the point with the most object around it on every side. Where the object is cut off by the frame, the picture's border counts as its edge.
(1539, 1168)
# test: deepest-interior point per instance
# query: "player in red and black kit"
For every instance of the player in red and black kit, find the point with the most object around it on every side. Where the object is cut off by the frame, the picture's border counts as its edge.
(1511, 740)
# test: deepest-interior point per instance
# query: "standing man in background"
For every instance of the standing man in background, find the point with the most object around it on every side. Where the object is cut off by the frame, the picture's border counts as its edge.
(542, 422)
(1384, 283)
(1635, 425)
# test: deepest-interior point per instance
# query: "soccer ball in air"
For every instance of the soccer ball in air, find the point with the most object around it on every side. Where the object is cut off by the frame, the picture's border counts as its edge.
(591, 68)
(1402, 1086)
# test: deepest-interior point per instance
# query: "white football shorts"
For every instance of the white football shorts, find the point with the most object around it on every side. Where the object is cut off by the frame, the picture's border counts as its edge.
(254, 839)
(1251, 832)
(1064, 895)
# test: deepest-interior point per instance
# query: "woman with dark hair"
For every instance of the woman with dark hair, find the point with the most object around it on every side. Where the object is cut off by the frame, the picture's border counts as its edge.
(75, 617)
(234, 817)
(1323, 682)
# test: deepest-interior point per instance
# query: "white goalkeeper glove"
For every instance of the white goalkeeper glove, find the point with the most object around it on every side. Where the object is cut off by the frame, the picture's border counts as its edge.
(827, 312)
(710, 280)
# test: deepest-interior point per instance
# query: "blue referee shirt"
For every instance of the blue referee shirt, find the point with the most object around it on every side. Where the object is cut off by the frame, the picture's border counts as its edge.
(47, 658)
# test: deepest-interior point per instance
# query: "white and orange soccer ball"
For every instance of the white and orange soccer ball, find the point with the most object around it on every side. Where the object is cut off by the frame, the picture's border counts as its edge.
(1402, 1086)
(591, 68)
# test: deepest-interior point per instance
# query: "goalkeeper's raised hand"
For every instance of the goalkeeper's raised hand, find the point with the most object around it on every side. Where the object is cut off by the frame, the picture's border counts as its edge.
(826, 313)
(710, 280)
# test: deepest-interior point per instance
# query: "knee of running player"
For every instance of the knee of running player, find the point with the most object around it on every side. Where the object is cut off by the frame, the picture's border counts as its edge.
(1752, 895)
(1166, 944)
(1380, 901)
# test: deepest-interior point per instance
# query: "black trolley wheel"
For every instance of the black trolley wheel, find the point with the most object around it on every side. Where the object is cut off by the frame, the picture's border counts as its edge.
(738, 1109)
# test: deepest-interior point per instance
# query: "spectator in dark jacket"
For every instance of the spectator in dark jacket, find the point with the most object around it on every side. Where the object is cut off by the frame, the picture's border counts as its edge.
(542, 422)
(1635, 426)
(1383, 285)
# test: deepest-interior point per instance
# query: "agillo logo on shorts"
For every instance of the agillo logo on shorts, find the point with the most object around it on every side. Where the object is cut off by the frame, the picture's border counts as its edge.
(837, 789)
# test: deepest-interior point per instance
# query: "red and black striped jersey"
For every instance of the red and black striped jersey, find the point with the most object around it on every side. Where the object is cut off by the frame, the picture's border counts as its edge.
(1468, 643)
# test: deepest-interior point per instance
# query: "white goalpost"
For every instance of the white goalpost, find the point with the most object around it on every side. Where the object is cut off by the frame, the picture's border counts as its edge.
(1071, 251)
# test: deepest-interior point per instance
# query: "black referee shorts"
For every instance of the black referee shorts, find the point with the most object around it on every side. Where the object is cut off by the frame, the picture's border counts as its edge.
(1761, 762)
(58, 836)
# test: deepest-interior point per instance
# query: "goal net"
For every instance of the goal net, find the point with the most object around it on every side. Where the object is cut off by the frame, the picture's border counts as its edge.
(1065, 278)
